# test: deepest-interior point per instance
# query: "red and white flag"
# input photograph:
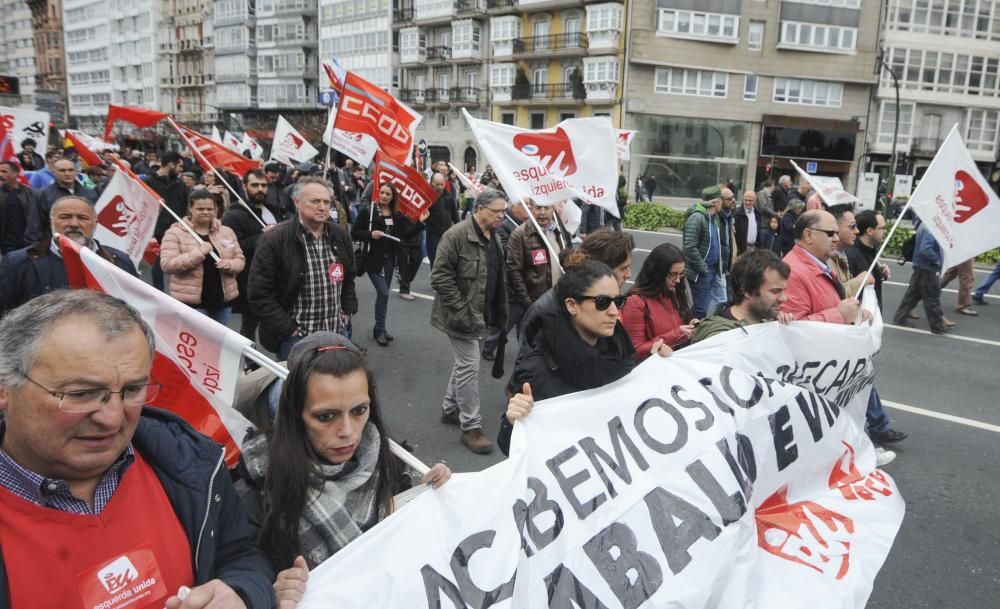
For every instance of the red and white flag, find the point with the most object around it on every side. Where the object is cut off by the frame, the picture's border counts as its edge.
(368, 110)
(956, 203)
(623, 141)
(335, 73)
(21, 124)
(415, 194)
(471, 186)
(289, 146)
(140, 117)
(215, 135)
(248, 143)
(197, 360)
(831, 190)
(232, 142)
(357, 146)
(209, 154)
(576, 159)
(126, 214)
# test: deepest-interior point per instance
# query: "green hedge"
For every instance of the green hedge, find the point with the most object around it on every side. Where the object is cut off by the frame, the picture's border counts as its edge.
(650, 216)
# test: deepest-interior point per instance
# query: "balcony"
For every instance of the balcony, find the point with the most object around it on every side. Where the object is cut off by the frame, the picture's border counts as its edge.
(412, 55)
(466, 95)
(438, 53)
(925, 145)
(552, 44)
(412, 96)
(466, 7)
(402, 15)
(501, 7)
(467, 50)
(440, 96)
(547, 93)
(189, 46)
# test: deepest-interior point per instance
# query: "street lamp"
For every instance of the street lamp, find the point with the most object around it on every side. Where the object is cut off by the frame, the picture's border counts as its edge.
(891, 183)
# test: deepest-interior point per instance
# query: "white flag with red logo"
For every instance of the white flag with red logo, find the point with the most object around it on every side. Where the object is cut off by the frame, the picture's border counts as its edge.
(232, 142)
(415, 195)
(830, 189)
(471, 186)
(623, 140)
(956, 203)
(126, 214)
(197, 360)
(248, 143)
(289, 146)
(367, 110)
(576, 159)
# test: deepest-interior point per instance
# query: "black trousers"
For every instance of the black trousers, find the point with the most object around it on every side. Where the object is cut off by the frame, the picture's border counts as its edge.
(924, 285)
(408, 262)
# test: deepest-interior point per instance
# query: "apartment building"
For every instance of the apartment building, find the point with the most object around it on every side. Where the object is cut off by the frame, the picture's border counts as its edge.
(721, 89)
(556, 59)
(359, 34)
(17, 49)
(946, 55)
(287, 40)
(50, 66)
(186, 62)
(234, 29)
(443, 55)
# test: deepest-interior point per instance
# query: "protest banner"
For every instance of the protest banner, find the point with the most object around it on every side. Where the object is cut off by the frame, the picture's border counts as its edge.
(831, 190)
(126, 214)
(18, 124)
(197, 360)
(414, 193)
(723, 477)
(368, 110)
(289, 146)
(576, 159)
(957, 204)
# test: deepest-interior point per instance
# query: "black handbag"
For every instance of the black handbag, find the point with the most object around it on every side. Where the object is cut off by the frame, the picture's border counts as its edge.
(361, 251)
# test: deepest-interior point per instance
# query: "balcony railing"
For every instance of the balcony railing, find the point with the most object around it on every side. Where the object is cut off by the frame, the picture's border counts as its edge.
(413, 96)
(470, 6)
(546, 91)
(438, 53)
(501, 3)
(400, 15)
(551, 42)
(465, 94)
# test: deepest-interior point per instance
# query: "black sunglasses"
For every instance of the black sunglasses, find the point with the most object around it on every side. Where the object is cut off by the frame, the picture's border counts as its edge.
(601, 303)
(829, 233)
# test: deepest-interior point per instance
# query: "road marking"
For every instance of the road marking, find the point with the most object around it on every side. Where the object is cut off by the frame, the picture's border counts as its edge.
(949, 290)
(970, 339)
(416, 294)
(942, 416)
(646, 232)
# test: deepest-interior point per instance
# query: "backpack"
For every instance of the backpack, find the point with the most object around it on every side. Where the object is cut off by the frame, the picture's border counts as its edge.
(908, 247)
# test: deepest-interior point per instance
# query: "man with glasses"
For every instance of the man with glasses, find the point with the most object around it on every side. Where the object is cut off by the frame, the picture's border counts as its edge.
(814, 292)
(100, 496)
(470, 296)
(302, 277)
(748, 223)
(703, 249)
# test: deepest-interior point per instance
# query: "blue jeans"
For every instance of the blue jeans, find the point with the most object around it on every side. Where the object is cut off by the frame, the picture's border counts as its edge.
(719, 294)
(222, 315)
(286, 347)
(432, 247)
(988, 283)
(382, 282)
(701, 294)
(878, 421)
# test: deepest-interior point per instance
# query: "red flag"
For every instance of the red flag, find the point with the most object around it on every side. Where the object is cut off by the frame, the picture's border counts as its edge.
(365, 108)
(140, 117)
(81, 143)
(211, 154)
(415, 194)
(197, 360)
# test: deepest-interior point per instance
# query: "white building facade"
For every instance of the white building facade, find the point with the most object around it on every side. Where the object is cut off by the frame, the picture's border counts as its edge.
(359, 34)
(287, 54)
(235, 58)
(17, 47)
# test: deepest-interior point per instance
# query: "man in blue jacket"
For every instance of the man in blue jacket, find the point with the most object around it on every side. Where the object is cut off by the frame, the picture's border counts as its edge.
(103, 500)
(924, 284)
(703, 248)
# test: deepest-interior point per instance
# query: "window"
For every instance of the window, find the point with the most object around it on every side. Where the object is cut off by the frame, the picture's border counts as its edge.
(750, 87)
(808, 92)
(813, 36)
(505, 28)
(565, 116)
(969, 19)
(836, 3)
(703, 83)
(981, 135)
(507, 118)
(721, 27)
(539, 79)
(600, 69)
(944, 72)
(537, 120)
(502, 75)
(755, 36)
(604, 17)
(443, 119)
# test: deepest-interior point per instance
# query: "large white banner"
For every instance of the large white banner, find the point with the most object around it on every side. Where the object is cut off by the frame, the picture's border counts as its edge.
(957, 204)
(576, 159)
(726, 476)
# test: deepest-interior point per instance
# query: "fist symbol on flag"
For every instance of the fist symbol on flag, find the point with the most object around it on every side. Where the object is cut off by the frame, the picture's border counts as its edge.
(116, 216)
(553, 150)
(292, 140)
(969, 197)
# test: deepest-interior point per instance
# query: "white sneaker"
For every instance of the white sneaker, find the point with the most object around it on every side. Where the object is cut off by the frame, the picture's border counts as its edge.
(883, 456)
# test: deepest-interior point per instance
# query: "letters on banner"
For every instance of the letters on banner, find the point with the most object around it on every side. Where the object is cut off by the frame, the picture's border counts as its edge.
(415, 195)
(366, 109)
(831, 190)
(16, 125)
(126, 215)
(956, 203)
(576, 159)
(722, 477)
(197, 361)
(358, 146)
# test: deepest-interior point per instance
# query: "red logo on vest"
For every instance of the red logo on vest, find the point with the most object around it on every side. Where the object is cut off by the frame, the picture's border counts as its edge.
(552, 149)
(336, 272)
(133, 579)
(117, 216)
(119, 574)
(969, 197)
(539, 256)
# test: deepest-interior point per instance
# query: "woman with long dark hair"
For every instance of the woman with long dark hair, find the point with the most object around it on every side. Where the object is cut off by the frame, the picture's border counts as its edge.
(324, 473)
(383, 227)
(657, 307)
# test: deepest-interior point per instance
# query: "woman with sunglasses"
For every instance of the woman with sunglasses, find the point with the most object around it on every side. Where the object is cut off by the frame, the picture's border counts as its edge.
(383, 228)
(656, 308)
(579, 343)
(323, 473)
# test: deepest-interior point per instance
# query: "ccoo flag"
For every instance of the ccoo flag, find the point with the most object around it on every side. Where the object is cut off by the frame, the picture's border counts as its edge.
(209, 154)
(576, 159)
(415, 195)
(197, 360)
(957, 204)
(126, 214)
(367, 110)
(289, 147)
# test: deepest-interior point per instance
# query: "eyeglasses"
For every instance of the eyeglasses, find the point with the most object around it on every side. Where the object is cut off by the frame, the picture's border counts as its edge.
(92, 400)
(852, 225)
(675, 275)
(829, 233)
(601, 303)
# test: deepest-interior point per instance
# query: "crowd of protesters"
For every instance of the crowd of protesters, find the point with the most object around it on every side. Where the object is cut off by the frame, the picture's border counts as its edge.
(317, 472)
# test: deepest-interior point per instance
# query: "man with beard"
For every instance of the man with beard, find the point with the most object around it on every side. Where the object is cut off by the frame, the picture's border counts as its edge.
(248, 229)
(39, 268)
(759, 281)
(166, 182)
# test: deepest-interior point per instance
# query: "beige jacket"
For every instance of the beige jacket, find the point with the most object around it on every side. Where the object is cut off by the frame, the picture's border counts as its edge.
(181, 258)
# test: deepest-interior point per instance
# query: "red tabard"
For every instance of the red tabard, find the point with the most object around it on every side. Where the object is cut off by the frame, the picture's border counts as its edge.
(134, 554)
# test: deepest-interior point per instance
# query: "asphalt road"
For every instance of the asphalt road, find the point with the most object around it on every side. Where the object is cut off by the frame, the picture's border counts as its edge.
(947, 553)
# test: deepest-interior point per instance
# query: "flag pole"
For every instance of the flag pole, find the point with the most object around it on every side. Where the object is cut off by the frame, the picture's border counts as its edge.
(222, 179)
(281, 372)
(541, 233)
(326, 167)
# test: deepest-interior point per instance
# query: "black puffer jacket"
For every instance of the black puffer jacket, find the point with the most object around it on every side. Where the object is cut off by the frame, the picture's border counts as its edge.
(278, 272)
(247, 230)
